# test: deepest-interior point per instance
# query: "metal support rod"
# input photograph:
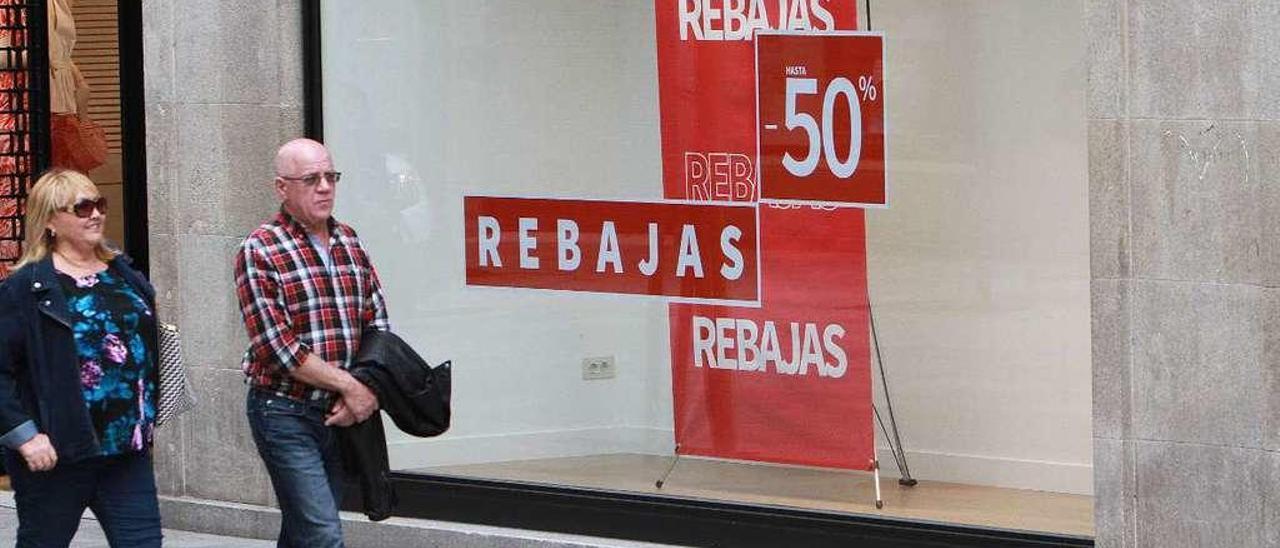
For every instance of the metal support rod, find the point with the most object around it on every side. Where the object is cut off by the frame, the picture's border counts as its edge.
(663, 480)
(893, 449)
(901, 453)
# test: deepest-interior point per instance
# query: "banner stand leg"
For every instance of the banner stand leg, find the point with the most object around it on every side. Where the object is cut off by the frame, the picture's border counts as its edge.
(876, 469)
(894, 440)
(663, 480)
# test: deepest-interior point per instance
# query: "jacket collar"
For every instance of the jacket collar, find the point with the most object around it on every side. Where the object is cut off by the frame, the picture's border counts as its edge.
(47, 291)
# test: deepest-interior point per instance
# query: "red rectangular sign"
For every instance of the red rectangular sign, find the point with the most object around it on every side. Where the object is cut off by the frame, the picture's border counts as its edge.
(790, 381)
(707, 92)
(700, 252)
(821, 116)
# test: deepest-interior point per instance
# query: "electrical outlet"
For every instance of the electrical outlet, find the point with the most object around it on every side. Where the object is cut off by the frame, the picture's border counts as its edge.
(594, 369)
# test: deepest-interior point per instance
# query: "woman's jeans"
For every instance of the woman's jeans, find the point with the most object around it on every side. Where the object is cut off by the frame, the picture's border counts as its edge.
(121, 491)
(305, 466)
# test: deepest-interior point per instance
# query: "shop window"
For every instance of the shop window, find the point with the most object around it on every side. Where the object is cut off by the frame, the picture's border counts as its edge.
(976, 272)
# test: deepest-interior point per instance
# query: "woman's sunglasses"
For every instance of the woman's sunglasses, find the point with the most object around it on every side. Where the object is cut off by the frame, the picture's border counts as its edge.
(84, 208)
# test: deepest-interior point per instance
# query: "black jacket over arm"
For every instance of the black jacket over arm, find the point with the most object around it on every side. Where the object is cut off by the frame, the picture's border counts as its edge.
(413, 393)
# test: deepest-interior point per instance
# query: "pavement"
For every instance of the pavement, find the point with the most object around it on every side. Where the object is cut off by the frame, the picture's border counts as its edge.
(90, 534)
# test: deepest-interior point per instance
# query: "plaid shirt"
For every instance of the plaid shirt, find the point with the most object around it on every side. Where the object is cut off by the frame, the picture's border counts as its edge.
(294, 305)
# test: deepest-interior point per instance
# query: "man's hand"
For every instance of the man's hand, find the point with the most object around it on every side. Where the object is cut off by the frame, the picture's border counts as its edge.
(362, 402)
(357, 404)
(340, 415)
(39, 453)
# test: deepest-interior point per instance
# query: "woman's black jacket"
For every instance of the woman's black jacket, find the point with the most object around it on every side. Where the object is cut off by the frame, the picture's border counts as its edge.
(39, 368)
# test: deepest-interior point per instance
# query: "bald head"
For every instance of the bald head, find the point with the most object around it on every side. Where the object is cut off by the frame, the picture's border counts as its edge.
(305, 192)
(299, 152)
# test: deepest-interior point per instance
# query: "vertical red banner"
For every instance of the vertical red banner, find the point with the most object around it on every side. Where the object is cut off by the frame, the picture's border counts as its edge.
(790, 381)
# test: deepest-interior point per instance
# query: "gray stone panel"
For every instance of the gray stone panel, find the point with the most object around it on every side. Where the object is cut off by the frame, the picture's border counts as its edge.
(157, 44)
(1270, 415)
(1112, 362)
(1203, 59)
(229, 52)
(169, 452)
(1104, 32)
(164, 275)
(289, 23)
(1108, 199)
(1197, 363)
(160, 171)
(1199, 495)
(213, 332)
(1114, 493)
(1195, 201)
(222, 462)
(1263, 145)
(1271, 490)
(224, 157)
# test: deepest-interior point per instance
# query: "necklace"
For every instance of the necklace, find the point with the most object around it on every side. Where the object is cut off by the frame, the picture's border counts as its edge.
(84, 267)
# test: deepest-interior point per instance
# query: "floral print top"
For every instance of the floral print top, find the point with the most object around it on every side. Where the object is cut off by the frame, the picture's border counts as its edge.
(115, 367)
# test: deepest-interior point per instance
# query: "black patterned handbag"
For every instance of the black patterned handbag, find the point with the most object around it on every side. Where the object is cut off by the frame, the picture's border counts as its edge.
(176, 395)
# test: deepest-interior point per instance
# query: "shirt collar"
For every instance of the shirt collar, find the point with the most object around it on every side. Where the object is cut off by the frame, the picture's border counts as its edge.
(295, 228)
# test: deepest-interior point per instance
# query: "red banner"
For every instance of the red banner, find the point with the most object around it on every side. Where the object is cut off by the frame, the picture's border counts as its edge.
(704, 252)
(790, 381)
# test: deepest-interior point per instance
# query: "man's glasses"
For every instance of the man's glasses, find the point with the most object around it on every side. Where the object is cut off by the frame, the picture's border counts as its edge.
(314, 179)
(85, 206)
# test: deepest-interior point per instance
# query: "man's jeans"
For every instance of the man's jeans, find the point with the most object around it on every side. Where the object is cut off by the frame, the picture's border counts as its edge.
(121, 491)
(304, 462)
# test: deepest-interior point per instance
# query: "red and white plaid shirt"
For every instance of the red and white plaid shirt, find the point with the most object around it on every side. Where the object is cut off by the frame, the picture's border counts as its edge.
(295, 305)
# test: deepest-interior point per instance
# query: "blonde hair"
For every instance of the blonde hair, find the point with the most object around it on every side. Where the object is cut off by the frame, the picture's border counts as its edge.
(55, 190)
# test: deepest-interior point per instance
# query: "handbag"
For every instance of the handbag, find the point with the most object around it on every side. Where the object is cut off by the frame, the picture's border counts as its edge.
(176, 394)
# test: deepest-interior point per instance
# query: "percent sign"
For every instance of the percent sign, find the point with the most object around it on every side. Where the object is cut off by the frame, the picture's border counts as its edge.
(868, 88)
(821, 136)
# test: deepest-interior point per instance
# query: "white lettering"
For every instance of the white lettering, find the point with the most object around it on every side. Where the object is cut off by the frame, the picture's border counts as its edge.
(812, 351)
(689, 15)
(724, 343)
(708, 16)
(609, 253)
(735, 20)
(689, 255)
(829, 336)
(821, 13)
(703, 341)
(490, 233)
(649, 266)
(570, 256)
(747, 336)
(732, 254)
(528, 243)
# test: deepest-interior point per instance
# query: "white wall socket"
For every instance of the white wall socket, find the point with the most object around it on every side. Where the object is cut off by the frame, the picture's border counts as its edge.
(602, 367)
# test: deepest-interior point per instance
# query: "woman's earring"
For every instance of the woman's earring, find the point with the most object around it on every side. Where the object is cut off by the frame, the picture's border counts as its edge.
(52, 233)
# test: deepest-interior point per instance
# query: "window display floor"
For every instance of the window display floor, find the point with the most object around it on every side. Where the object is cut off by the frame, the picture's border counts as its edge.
(802, 487)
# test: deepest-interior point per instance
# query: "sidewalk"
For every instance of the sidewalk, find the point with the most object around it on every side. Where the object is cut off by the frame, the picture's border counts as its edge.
(90, 534)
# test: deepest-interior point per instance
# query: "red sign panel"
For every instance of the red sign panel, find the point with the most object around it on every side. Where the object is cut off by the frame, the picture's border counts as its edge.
(706, 90)
(821, 116)
(689, 251)
(788, 382)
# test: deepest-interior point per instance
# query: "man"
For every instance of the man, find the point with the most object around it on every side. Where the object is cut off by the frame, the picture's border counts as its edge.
(307, 291)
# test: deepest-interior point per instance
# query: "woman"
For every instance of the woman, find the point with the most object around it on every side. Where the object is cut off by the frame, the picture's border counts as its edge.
(78, 375)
